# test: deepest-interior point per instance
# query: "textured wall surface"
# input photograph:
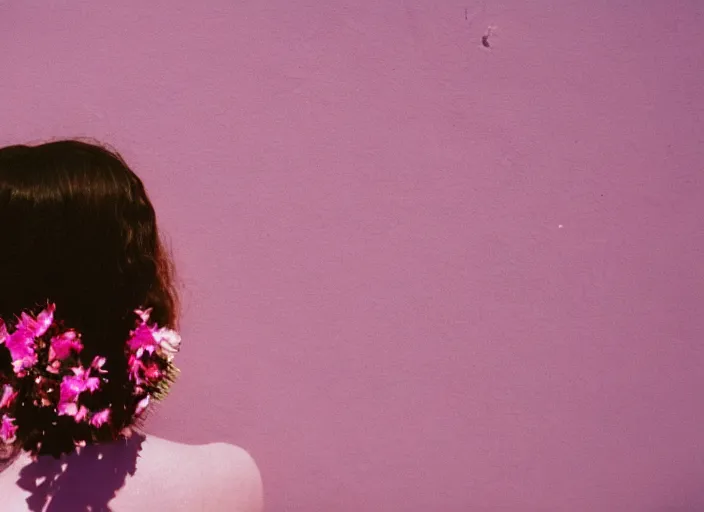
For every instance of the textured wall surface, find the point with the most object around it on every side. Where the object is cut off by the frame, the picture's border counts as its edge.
(421, 274)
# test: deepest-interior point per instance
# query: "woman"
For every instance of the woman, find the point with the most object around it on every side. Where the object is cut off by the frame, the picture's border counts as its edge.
(88, 309)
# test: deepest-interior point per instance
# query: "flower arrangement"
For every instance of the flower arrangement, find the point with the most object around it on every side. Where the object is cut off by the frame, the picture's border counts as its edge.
(47, 369)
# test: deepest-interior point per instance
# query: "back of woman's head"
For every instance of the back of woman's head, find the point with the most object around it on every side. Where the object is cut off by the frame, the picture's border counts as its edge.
(78, 230)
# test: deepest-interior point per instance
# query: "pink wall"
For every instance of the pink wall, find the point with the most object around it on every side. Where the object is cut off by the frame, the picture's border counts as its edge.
(366, 205)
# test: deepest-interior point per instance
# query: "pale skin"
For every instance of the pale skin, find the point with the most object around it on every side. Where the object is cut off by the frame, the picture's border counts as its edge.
(166, 476)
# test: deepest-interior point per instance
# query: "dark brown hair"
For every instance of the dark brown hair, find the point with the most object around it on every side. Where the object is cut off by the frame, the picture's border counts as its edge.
(79, 230)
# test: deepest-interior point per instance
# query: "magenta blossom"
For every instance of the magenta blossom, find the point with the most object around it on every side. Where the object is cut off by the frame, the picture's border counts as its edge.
(67, 409)
(152, 372)
(136, 367)
(166, 342)
(98, 363)
(8, 429)
(8, 396)
(91, 383)
(71, 389)
(81, 414)
(100, 418)
(142, 340)
(21, 346)
(39, 326)
(54, 367)
(142, 373)
(63, 344)
(21, 342)
(148, 348)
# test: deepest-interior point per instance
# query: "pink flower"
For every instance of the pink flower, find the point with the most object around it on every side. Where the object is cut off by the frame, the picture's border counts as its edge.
(144, 314)
(169, 342)
(67, 409)
(63, 344)
(135, 365)
(72, 387)
(54, 367)
(21, 346)
(145, 338)
(21, 342)
(81, 414)
(152, 372)
(92, 384)
(141, 373)
(142, 340)
(99, 418)
(8, 429)
(8, 396)
(98, 363)
(42, 323)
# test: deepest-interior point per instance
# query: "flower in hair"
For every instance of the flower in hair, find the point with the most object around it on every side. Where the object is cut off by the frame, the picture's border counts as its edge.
(21, 343)
(8, 396)
(8, 429)
(150, 351)
(148, 339)
(100, 418)
(21, 347)
(71, 388)
(63, 345)
(49, 373)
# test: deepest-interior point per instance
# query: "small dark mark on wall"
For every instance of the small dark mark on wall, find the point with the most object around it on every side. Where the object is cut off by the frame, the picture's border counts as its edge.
(485, 37)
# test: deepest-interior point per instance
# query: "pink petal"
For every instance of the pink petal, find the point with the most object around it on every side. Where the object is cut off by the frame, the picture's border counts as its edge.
(135, 365)
(82, 412)
(67, 409)
(8, 429)
(92, 384)
(152, 372)
(39, 326)
(169, 342)
(8, 396)
(142, 338)
(143, 403)
(78, 371)
(54, 367)
(21, 346)
(26, 323)
(99, 418)
(19, 365)
(144, 314)
(44, 320)
(98, 363)
(70, 388)
(63, 344)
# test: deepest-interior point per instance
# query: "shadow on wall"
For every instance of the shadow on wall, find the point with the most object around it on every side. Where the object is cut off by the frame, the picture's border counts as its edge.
(89, 480)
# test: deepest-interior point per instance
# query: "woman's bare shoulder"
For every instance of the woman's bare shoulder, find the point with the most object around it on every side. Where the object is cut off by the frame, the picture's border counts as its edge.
(214, 476)
(235, 475)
